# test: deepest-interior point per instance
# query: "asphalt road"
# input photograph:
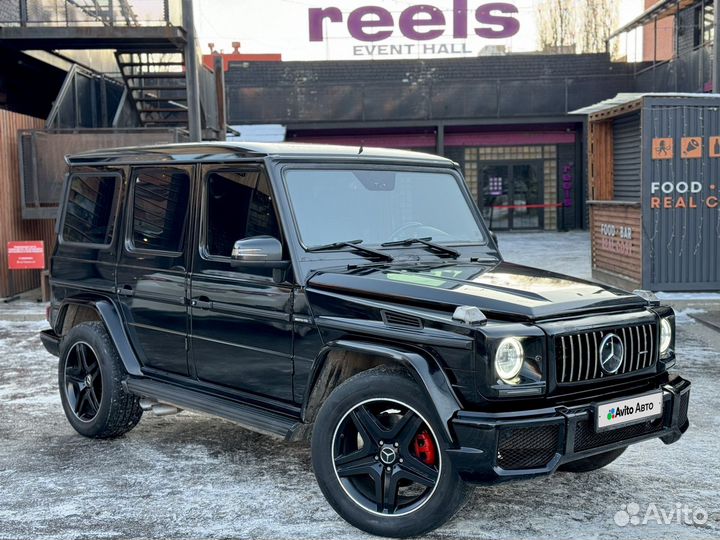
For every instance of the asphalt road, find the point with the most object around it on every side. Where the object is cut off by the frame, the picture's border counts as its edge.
(189, 476)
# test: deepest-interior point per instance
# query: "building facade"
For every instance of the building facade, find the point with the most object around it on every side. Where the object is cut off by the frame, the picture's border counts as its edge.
(504, 119)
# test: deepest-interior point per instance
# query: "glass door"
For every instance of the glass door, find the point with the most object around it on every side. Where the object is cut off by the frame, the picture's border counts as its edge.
(511, 195)
(494, 195)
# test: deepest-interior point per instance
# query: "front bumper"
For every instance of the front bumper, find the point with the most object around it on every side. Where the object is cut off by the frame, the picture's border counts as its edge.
(502, 446)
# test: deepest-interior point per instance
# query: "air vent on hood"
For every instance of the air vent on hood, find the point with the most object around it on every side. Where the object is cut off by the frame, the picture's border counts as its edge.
(400, 319)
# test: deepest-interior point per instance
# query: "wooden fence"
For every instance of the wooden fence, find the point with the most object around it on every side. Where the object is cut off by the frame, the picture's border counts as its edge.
(12, 226)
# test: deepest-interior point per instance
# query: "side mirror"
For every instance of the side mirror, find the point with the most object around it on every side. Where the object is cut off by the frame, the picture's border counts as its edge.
(258, 252)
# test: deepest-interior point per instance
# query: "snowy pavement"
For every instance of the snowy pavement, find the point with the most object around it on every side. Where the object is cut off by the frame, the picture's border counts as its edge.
(190, 476)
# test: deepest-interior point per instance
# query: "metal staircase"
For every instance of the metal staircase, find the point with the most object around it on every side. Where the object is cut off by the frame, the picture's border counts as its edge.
(157, 86)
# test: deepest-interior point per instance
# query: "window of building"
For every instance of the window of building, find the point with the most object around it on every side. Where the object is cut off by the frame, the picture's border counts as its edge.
(704, 24)
(238, 205)
(90, 210)
(160, 209)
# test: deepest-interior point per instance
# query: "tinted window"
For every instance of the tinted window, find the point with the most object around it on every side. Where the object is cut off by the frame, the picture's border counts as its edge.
(90, 210)
(160, 208)
(239, 205)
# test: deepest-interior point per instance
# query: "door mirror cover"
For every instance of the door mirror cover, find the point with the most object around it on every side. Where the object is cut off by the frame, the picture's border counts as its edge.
(258, 251)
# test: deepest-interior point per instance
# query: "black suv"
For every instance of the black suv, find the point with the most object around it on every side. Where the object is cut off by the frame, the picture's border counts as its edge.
(352, 297)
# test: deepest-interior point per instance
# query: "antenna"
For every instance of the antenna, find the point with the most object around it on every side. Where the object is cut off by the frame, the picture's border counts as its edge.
(361, 149)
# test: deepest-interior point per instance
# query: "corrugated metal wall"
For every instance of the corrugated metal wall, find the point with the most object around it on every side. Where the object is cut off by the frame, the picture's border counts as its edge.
(682, 241)
(626, 162)
(12, 226)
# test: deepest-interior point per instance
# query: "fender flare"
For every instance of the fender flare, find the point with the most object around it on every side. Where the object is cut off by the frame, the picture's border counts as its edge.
(426, 372)
(113, 323)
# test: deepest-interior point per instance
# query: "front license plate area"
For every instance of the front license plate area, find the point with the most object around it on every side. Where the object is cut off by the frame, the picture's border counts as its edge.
(632, 410)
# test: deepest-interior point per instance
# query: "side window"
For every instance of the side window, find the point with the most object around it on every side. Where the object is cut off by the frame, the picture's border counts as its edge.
(160, 208)
(238, 205)
(90, 210)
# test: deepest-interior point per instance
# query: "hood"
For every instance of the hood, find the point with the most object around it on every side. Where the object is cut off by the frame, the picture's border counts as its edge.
(502, 290)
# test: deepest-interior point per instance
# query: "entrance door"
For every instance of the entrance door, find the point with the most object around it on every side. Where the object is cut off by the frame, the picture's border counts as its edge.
(241, 332)
(511, 195)
(151, 274)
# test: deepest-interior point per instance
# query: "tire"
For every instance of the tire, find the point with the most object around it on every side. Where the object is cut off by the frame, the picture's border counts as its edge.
(387, 489)
(593, 463)
(90, 375)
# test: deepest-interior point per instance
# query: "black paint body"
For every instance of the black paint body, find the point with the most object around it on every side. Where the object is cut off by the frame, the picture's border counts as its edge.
(249, 346)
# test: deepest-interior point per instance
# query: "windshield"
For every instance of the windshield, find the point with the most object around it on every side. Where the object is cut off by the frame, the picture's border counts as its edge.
(378, 206)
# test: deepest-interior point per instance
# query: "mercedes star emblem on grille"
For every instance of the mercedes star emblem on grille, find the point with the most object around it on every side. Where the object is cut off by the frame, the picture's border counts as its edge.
(612, 353)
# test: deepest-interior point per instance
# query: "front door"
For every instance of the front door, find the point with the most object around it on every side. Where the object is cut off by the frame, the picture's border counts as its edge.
(152, 276)
(241, 332)
(511, 195)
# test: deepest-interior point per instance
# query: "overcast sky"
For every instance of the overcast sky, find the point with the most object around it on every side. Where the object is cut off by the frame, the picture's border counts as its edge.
(281, 26)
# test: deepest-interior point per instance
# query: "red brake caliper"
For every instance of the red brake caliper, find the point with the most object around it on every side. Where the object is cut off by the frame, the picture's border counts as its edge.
(424, 448)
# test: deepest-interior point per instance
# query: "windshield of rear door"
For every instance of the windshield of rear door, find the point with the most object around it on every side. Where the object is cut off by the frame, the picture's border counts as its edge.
(380, 205)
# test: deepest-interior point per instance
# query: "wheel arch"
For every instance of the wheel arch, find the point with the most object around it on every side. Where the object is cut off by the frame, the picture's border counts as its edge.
(76, 310)
(424, 369)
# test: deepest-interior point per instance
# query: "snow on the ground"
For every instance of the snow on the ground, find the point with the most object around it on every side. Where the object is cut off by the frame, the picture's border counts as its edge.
(562, 252)
(190, 476)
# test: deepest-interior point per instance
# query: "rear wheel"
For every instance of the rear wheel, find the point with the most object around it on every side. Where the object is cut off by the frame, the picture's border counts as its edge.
(380, 457)
(90, 377)
(593, 463)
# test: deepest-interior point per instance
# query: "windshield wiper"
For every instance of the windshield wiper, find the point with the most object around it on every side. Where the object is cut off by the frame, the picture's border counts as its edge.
(439, 248)
(354, 244)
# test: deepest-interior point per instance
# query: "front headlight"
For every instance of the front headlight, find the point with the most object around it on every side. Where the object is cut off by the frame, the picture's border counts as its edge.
(509, 359)
(665, 336)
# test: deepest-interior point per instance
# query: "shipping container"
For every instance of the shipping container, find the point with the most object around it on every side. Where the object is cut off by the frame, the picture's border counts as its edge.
(654, 191)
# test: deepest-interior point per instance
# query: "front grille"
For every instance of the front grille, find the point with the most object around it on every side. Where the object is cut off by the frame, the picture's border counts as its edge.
(578, 357)
(527, 447)
(586, 437)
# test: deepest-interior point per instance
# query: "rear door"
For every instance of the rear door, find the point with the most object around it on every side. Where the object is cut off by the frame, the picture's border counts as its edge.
(241, 333)
(152, 277)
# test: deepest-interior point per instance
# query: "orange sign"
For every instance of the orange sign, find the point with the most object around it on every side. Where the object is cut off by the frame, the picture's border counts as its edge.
(714, 149)
(26, 255)
(662, 148)
(691, 147)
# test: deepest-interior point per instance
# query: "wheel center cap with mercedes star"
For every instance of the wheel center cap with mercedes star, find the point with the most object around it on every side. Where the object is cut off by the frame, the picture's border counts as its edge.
(352, 297)
(387, 455)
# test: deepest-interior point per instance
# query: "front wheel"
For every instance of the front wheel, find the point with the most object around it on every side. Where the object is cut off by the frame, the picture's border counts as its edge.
(380, 457)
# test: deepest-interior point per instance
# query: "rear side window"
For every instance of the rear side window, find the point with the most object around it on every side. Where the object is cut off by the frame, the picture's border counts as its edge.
(160, 208)
(90, 210)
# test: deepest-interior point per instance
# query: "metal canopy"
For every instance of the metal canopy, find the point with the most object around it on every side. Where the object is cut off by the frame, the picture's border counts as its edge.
(659, 10)
(629, 101)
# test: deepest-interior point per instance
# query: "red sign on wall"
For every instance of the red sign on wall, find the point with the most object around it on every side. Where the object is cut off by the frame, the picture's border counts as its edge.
(26, 255)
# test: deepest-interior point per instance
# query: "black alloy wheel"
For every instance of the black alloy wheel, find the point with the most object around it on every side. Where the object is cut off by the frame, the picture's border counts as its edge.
(83, 381)
(385, 457)
(90, 379)
(380, 455)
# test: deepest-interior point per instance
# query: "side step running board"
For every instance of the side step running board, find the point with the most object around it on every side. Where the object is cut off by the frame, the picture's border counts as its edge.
(253, 418)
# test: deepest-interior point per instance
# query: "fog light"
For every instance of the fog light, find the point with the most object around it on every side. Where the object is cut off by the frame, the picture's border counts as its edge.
(665, 336)
(509, 359)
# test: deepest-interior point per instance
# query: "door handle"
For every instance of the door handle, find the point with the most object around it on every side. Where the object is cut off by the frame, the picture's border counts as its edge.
(125, 290)
(203, 302)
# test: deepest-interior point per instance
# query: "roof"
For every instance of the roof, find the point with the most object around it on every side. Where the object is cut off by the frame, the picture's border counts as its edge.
(214, 152)
(628, 101)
